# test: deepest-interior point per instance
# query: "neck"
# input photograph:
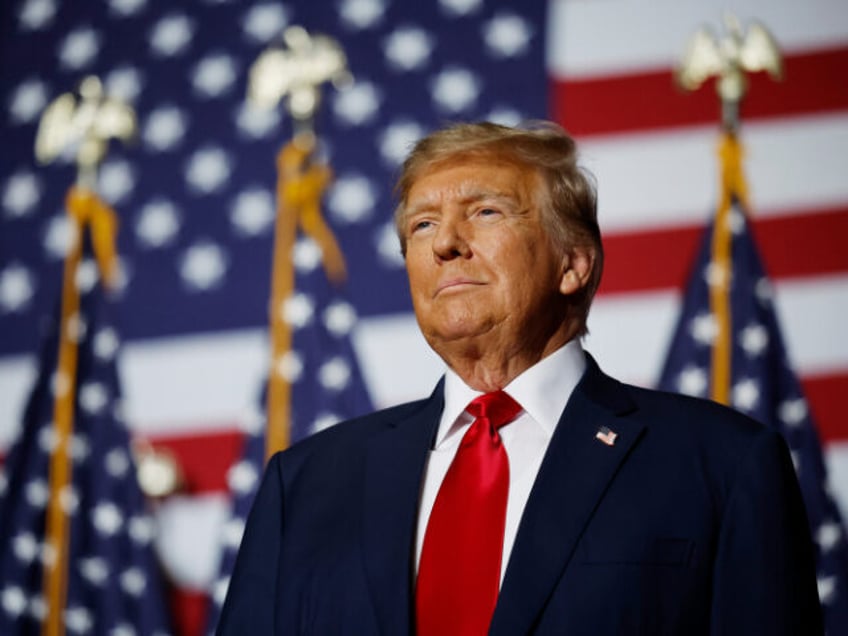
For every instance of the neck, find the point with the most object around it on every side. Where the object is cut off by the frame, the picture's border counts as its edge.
(486, 365)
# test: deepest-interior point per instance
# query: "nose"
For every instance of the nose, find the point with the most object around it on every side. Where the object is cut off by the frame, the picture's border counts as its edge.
(450, 240)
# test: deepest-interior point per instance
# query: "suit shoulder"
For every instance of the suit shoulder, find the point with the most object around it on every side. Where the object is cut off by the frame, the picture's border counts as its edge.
(349, 435)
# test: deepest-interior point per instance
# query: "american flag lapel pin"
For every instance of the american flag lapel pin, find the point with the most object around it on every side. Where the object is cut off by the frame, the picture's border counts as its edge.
(606, 435)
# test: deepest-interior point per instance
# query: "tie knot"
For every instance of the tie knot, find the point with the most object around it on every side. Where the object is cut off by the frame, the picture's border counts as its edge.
(497, 407)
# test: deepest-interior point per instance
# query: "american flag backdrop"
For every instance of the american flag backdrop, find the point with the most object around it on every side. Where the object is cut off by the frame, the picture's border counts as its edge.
(195, 197)
(113, 579)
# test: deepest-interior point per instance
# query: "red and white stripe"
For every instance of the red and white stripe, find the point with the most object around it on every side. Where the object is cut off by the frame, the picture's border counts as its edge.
(652, 149)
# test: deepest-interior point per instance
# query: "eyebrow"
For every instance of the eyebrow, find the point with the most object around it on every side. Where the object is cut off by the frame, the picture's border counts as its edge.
(464, 198)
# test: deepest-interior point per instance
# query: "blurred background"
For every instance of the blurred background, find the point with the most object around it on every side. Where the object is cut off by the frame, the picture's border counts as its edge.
(195, 197)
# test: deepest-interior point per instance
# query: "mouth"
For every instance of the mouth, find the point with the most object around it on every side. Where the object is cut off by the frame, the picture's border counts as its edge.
(456, 285)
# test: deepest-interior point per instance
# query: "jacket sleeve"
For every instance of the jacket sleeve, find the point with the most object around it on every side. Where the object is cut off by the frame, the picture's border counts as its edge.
(251, 595)
(764, 579)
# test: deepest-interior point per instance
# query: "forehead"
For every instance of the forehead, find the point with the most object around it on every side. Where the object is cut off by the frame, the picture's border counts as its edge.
(473, 178)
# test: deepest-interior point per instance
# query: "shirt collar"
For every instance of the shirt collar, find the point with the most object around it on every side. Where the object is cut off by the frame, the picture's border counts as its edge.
(542, 390)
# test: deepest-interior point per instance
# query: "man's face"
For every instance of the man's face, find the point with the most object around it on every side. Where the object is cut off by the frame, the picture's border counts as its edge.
(479, 259)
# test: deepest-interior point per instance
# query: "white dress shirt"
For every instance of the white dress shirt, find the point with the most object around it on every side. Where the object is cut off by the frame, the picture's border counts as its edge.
(542, 391)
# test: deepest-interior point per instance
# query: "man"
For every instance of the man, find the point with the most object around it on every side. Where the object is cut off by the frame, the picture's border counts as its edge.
(530, 493)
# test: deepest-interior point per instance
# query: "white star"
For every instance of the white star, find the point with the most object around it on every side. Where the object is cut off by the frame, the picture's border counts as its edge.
(357, 104)
(165, 128)
(325, 421)
(455, 89)
(256, 122)
(116, 180)
(37, 14)
(264, 22)
(25, 547)
(397, 139)
(76, 327)
(716, 275)
(253, 211)
(28, 100)
(827, 588)
(334, 374)
(21, 193)
(289, 366)
(792, 412)
(107, 518)
(735, 221)
(79, 48)
(388, 246)
(745, 394)
(126, 8)
(14, 600)
(306, 255)
(158, 223)
(361, 14)
(60, 384)
(407, 49)
(116, 462)
(828, 535)
(93, 397)
(208, 170)
(133, 581)
(298, 310)
(214, 75)
(78, 619)
(764, 291)
(17, 286)
(704, 329)
(242, 477)
(232, 533)
(203, 266)
(80, 448)
(754, 339)
(48, 439)
(106, 343)
(94, 569)
(68, 500)
(219, 590)
(142, 529)
(352, 198)
(459, 8)
(36, 493)
(692, 381)
(505, 116)
(38, 608)
(171, 35)
(507, 35)
(339, 318)
(124, 629)
(124, 83)
(60, 236)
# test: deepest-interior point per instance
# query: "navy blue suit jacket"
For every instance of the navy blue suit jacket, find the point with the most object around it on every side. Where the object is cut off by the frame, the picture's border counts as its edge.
(691, 523)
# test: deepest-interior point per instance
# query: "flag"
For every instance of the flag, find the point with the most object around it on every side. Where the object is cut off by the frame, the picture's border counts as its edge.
(196, 192)
(112, 577)
(326, 387)
(763, 385)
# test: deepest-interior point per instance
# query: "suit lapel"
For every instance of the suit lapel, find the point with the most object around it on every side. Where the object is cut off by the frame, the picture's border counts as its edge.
(394, 467)
(571, 482)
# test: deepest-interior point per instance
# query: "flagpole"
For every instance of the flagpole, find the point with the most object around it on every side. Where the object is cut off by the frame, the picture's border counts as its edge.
(728, 60)
(61, 127)
(301, 183)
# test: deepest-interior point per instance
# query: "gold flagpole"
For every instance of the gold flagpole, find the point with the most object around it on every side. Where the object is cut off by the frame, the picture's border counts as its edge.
(88, 121)
(728, 59)
(295, 72)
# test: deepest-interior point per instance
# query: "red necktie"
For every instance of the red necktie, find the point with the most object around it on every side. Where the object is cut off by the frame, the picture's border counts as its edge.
(459, 572)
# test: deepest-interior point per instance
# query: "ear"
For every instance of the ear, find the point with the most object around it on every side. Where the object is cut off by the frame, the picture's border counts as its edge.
(576, 269)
